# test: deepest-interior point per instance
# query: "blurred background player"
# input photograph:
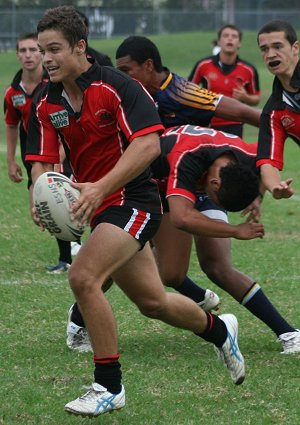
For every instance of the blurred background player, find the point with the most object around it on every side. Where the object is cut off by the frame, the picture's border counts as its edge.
(228, 74)
(28, 81)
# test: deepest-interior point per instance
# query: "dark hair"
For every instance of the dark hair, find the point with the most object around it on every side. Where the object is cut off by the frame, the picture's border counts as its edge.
(239, 187)
(84, 18)
(67, 20)
(232, 27)
(280, 26)
(140, 49)
(26, 36)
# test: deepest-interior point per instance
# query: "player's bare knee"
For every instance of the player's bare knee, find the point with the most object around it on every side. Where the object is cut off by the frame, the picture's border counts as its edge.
(79, 280)
(215, 271)
(153, 309)
(173, 278)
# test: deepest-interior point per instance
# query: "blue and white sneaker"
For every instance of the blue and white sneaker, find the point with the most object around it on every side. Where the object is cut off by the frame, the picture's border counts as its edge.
(61, 267)
(96, 401)
(230, 353)
(77, 336)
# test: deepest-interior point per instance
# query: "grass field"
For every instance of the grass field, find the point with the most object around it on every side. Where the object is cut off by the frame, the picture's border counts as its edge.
(171, 377)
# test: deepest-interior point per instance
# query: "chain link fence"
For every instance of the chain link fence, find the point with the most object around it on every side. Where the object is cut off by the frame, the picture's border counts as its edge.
(111, 23)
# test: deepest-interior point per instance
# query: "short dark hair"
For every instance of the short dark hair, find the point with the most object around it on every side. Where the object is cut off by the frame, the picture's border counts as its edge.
(239, 187)
(140, 49)
(280, 26)
(232, 27)
(67, 20)
(26, 36)
(84, 18)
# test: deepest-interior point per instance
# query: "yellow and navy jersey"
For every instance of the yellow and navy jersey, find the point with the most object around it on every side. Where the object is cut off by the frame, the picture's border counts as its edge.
(181, 102)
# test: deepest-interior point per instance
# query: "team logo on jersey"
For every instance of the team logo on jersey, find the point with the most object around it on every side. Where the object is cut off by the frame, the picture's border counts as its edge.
(18, 100)
(287, 121)
(104, 118)
(213, 76)
(60, 119)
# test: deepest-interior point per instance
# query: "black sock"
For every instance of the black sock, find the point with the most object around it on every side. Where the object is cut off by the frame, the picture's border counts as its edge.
(76, 316)
(108, 373)
(64, 251)
(258, 304)
(191, 290)
(216, 331)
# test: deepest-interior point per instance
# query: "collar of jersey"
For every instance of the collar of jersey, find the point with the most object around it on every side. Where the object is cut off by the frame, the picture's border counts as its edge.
(167, 81)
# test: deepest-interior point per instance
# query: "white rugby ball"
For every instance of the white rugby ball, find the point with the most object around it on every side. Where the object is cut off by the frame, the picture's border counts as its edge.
(53, 196)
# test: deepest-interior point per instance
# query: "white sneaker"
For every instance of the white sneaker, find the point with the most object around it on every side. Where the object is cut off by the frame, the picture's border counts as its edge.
(230, 352)
(96, 402)
(211, 301)
(75, 247)
(290, 342)
(77, 336)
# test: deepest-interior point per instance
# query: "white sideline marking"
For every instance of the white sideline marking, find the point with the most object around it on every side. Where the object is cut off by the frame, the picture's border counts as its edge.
(54, 280)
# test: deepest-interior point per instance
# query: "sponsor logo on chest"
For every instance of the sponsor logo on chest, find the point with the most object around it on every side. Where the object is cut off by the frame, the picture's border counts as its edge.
(60, 119)
(18, 100)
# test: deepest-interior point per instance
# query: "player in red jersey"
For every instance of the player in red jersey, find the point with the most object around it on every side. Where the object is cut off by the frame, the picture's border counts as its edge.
(109, 127)
(279, 46)
(228, 74)
(195, 160)
(18, 98)
(140, 58)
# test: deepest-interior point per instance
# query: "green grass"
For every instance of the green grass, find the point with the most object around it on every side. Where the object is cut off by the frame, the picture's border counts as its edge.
(171, 377)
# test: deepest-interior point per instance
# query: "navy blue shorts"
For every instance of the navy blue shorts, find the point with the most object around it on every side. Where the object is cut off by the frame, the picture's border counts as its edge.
(207, 207)
(203, 204)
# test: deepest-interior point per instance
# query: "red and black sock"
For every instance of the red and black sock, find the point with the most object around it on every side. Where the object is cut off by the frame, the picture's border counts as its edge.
(108, 373)
(216, 331)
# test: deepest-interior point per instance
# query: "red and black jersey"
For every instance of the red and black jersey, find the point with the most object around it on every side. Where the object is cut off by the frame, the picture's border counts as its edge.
(116, 109)
(280, 119)
(17, 103)
(212, 74)
(17, 106)
(188, 151)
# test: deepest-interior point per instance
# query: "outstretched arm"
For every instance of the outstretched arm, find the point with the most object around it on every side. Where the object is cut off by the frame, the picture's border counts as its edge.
(231, 109)
(271, 179)
(185, 217)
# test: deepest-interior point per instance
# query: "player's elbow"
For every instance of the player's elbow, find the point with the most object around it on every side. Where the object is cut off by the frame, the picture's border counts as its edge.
(179, 221)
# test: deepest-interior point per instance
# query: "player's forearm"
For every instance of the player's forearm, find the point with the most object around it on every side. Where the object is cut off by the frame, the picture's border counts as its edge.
(231, 109)
(11, 142)
(251, 100)
(137, 157)
(270, 177)
(198, 224)
(39, 168)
